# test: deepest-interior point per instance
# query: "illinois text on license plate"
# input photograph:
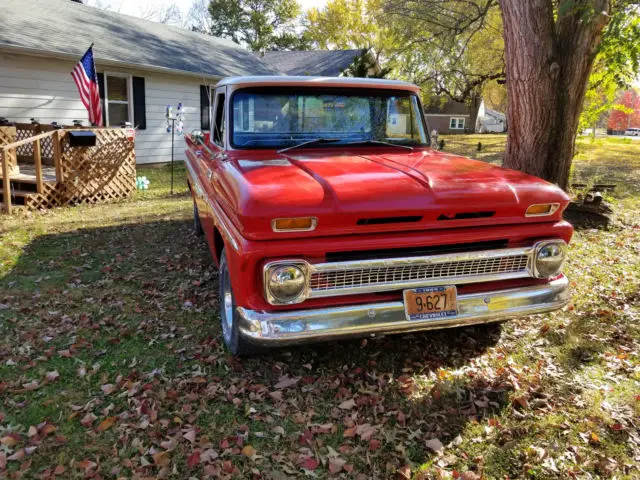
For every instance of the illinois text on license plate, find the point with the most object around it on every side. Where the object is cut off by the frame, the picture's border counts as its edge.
(429, 303)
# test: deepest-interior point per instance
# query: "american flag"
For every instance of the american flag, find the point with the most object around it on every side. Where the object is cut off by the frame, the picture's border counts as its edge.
(87, 82)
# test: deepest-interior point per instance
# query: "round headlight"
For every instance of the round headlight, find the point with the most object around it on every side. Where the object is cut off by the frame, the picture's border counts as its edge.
(286, 284)
(549, 258)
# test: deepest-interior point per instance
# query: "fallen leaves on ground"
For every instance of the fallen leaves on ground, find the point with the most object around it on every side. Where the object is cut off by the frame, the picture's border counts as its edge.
(112, 366)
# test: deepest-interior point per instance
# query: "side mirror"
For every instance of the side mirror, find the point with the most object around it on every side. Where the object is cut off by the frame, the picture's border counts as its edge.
(197, 136)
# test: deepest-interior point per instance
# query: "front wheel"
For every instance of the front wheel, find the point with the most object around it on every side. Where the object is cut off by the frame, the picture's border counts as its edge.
(236, 344)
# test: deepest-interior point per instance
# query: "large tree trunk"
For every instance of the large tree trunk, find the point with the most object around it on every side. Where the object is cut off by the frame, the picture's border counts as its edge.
(548, 58)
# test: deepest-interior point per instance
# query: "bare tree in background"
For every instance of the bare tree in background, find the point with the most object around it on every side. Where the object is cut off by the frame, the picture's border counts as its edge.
(159, 12)
(166, 13)
(449, 43)
(198, 17)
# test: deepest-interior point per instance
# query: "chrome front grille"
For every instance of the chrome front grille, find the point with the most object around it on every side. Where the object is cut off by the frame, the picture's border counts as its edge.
(364, 277)
(347, 278)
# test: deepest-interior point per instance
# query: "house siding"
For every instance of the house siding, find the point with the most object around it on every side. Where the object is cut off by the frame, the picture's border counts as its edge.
(441, 123)
(33, 87)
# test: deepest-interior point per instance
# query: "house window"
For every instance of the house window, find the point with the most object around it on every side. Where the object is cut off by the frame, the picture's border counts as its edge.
(456, 123)
(118, 99)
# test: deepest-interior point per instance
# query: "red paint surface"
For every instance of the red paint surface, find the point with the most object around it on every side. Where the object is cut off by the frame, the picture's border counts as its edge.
(246, 189)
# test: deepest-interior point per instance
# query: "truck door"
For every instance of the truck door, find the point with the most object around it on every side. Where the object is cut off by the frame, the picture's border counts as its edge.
(216, 163)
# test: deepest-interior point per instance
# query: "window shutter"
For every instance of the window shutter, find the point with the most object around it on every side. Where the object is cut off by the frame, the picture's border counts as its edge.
(101, 90)
(139, 111)
(204, 108)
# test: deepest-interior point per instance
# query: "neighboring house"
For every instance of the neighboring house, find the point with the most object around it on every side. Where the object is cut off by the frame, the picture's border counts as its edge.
(321, 63)
(143, 67)
(490, 121)
(449, 117)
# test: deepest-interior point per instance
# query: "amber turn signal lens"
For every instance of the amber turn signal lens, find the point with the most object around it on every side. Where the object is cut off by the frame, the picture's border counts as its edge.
(303, 224)
(541, 209)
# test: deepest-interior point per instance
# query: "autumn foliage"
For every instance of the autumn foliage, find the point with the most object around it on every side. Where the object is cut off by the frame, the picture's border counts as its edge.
(629, 115)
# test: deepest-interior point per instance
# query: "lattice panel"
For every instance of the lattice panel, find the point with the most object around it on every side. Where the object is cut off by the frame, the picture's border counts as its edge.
(22, 133)
(46, 150)
(49, 198)
(97, 174)
(7, 135)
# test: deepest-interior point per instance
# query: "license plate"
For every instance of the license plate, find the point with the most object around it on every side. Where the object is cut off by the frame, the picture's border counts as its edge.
(428, 303)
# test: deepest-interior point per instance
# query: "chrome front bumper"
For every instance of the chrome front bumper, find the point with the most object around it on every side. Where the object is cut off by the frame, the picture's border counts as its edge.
(300, 326)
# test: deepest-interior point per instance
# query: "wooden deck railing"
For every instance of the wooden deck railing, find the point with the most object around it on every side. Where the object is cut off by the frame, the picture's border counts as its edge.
(10, 152)
(82, 174)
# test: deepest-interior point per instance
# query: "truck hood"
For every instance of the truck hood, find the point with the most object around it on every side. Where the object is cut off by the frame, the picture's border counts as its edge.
(354, 191)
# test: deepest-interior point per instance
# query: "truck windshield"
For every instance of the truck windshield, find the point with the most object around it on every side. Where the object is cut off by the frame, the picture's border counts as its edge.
(275, 119)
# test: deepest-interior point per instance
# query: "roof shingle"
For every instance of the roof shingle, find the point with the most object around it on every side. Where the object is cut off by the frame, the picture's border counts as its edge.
(321, 63)
(65, 27)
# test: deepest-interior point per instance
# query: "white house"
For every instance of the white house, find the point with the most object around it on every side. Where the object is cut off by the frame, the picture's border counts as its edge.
(142, 67)
(490, 121)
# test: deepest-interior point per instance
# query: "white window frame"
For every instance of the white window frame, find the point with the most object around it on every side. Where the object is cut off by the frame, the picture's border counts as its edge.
(457, 123)
(129, 101)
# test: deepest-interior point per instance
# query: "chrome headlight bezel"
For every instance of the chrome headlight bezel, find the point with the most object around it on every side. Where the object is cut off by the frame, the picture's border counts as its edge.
(541, 247)
(276, 299)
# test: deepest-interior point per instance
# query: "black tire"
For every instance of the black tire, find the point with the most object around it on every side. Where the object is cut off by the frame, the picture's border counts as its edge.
(197, 225)
(229, 319)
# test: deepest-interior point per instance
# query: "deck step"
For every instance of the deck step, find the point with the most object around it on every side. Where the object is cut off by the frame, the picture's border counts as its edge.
(26, 178)
(24, 187)
(19, 193)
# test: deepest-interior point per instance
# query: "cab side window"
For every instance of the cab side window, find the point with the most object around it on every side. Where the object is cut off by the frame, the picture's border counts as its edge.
(219, 120)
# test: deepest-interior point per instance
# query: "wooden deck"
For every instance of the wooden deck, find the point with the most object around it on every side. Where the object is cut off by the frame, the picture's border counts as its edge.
(44, 171)
(28, 174)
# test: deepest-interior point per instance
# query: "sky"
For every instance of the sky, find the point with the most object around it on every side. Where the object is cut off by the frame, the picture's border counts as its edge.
(135, 7)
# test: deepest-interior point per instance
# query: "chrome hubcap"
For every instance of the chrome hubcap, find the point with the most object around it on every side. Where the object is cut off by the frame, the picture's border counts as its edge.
(227, 306)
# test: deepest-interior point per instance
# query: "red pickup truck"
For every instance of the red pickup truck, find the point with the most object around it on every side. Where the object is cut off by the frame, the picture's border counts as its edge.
(329, 215)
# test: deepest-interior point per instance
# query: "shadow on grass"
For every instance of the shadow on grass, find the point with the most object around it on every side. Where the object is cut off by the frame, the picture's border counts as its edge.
(140, 298)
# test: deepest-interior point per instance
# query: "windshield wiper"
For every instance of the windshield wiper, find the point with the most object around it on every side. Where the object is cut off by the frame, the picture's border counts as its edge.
(310, 142)
(379, 142)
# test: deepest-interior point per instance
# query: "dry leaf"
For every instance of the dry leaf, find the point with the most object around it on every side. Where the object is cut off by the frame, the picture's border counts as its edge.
(9, 441)
(32, 385)
(88, 419)
(347, 404)
(86, 464)
(48, 429)
(435, 445)
(161, 459)
(336, 464)
(405, 472)
(248, 451)
(310, 463)
(19, 455)
(194, 459)
(286, 382)
(350, 432)
(190, 436)
(106, 424)
(108, 389)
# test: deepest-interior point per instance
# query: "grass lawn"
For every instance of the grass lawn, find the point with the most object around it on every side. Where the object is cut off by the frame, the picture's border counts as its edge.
(112, 364)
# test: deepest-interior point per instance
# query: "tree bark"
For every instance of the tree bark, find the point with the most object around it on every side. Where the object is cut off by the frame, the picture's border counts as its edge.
(549, 55)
